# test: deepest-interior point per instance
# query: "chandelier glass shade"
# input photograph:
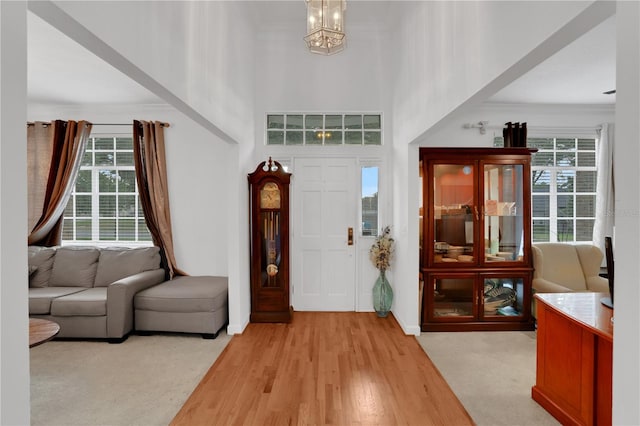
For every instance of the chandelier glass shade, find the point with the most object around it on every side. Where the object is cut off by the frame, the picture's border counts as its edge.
(325, 26)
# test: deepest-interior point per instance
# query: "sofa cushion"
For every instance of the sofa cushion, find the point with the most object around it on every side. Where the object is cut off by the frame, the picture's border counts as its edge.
(40, 298)
(184, 294)
(88, 302)
(74, 267)
(120, 262)
(40, 264)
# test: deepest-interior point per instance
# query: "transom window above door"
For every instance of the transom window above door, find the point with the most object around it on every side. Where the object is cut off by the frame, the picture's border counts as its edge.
(324, 129)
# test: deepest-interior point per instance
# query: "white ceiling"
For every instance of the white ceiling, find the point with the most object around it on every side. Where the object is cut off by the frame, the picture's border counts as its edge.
(578, 74)
(61, 72)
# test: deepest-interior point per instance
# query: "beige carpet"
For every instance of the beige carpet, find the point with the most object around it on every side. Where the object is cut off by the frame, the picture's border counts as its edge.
(491, 373)
(142, 381)
(145, 380)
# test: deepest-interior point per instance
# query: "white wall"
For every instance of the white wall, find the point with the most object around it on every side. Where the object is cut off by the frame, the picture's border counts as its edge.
(405, 217)
(547, 120)
(200, 51)
(239, 165)
(449, 51)
(626, 343)
(197, 174)
(291, 79)
(14, 350)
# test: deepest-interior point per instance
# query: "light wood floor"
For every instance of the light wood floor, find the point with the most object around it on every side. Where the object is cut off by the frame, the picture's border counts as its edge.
(323, 369)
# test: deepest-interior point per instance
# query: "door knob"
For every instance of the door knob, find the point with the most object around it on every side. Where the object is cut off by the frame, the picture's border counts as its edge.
(350, 236)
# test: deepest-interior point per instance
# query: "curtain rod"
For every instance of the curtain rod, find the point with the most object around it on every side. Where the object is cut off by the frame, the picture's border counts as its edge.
(31, 123)
(483, 126)
(126, 124)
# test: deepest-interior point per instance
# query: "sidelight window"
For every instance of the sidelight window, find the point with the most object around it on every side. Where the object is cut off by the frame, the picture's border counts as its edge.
(370, 206)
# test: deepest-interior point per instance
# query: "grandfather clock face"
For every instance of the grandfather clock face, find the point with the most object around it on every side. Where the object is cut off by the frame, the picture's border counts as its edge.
(270, 196)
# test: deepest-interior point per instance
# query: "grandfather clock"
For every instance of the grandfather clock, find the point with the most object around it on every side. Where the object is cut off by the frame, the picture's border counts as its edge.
(269, 233)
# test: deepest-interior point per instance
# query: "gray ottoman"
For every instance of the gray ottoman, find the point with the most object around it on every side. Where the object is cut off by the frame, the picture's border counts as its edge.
(185, 304)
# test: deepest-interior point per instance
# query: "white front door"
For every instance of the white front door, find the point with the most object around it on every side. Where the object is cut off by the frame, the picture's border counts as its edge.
(325, 207)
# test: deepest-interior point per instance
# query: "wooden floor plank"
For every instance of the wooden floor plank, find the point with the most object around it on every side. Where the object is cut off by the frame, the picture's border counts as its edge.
(323, 368)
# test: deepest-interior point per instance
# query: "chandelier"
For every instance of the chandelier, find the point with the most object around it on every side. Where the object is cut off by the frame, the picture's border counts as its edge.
(325, 26)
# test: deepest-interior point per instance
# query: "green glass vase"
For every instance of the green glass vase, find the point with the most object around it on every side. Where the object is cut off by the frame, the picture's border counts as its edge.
(382, 295)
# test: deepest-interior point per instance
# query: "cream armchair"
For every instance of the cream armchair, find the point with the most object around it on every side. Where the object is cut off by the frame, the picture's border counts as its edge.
(564, 268)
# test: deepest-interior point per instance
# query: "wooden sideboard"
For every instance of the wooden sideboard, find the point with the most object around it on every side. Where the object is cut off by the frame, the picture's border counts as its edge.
(574, 358)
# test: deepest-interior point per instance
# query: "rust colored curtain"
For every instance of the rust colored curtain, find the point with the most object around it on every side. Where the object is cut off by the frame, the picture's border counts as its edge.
(69, 139)
(39, 150)
(151, 174)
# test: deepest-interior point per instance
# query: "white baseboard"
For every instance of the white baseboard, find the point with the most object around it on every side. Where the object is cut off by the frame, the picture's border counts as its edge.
(409, 329)
(237, 328)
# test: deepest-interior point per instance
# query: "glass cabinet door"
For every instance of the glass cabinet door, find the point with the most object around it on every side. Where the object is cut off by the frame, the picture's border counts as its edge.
(503, 213)
(503, 297)
(453, 297)
(454, 205)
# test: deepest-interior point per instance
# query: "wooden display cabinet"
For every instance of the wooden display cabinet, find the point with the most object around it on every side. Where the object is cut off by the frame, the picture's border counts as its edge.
(269, 233)
(476, 242)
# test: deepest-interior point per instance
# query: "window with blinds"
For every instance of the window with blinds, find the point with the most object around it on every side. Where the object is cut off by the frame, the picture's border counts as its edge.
(563, 188)
(104, 206)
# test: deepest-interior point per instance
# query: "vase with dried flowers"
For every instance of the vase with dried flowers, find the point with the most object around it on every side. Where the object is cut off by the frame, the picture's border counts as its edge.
(381, 253)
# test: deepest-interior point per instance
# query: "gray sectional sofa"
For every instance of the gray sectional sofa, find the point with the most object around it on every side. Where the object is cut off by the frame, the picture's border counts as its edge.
(89, 291)
(187, 304)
